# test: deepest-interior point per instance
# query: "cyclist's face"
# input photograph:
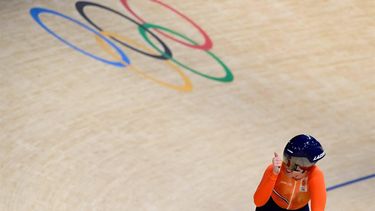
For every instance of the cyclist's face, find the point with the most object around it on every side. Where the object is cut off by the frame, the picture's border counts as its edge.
(294, 170)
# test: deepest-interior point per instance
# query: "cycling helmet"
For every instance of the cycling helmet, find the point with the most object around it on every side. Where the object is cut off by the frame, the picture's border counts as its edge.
(302, 151)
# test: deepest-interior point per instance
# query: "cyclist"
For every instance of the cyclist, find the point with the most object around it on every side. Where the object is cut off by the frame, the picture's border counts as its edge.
(291, 183)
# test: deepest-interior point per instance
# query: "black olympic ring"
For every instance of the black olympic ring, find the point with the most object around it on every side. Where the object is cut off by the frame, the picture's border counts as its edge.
(80, 5)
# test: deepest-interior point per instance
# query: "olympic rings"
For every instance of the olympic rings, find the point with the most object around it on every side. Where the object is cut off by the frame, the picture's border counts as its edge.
(228, 75)
(80, 5)
(103, 39)
(187, 86)
(207, 40)
(36, 11)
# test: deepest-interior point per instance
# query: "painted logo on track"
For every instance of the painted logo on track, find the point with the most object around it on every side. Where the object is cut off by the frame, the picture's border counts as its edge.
(109, 42)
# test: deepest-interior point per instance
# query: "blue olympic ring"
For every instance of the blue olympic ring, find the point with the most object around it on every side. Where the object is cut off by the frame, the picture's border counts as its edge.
(35, 13)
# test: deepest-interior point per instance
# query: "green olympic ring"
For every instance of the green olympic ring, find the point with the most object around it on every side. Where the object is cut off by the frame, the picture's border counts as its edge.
(228, 74)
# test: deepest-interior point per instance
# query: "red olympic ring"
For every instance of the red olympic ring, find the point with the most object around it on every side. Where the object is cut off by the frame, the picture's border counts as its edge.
(207, 45)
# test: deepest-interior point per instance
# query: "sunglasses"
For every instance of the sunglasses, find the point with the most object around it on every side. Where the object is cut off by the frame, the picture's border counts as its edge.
(296, 168)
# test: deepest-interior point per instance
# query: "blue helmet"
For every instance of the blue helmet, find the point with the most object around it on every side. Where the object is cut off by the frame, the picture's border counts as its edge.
(303, 151)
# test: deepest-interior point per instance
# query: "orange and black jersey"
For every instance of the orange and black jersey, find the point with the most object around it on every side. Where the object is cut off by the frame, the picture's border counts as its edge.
(292, 194)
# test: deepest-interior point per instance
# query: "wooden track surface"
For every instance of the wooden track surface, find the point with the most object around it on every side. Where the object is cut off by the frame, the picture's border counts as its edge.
(81, 134)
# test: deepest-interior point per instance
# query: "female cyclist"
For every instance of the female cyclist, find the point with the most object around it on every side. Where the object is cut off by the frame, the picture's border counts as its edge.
(291, 183)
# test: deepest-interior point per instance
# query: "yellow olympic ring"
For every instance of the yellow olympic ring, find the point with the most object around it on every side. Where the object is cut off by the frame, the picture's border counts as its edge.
(186, 87)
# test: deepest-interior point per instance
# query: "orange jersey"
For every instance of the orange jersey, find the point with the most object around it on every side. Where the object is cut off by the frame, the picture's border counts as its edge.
(289, 193)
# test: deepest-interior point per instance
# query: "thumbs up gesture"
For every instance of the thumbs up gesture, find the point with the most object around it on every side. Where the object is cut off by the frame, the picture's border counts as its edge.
(276, 161)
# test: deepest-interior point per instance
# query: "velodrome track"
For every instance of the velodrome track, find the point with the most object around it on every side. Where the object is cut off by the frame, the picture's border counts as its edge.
(89, 122)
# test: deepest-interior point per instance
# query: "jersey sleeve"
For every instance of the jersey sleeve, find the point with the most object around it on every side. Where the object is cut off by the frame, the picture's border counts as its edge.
(317, 190)
(265, 187)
